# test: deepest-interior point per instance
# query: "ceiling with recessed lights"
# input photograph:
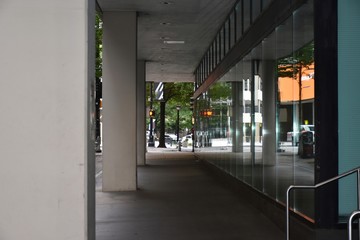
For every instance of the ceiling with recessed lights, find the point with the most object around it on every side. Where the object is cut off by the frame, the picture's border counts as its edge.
(173, 35)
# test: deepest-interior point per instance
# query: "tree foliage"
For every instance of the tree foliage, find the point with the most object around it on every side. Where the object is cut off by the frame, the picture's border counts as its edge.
(98, 36)
(220, 91)
(292, 66)
(175, 94)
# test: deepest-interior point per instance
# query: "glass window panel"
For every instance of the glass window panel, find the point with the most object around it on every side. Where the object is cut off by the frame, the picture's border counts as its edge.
(256, 9)
(227, 36)
(247, 13)
(222, 43)
(257, 120)
(248, 123)
(247, 126)
(232, 30)
(239, 22)
(265, 4)
(304, 72)
(207, 64)
(218, 48)
(211, 57)
(269, 113)
(286, 107)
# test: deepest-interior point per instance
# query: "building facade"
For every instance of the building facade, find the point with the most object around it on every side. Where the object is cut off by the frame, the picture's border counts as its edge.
(275, 70)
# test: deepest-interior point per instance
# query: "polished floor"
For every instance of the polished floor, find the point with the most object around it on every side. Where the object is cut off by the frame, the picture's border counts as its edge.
(178, 200)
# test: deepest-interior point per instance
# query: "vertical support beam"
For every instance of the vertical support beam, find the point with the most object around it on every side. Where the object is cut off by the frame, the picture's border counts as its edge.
(90, 135)
(119, 101)
(326, 105)
(254, 70)
(141, 113)
(47, 107)
(269, 115)
(237, 116)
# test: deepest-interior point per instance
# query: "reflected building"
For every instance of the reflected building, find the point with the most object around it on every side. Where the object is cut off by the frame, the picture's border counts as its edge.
(258, 78)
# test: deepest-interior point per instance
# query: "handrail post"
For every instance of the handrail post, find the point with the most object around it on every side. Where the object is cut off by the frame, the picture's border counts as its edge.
(291, 187)
(350, 227)
(288, 212)
(351, 219)
(358, 197)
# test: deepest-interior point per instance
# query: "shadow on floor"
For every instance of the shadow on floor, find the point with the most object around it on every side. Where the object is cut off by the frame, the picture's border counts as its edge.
(178, 199)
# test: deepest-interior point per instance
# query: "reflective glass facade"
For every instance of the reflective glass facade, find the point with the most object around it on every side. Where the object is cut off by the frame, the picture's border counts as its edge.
(237, 23)
(251, 122)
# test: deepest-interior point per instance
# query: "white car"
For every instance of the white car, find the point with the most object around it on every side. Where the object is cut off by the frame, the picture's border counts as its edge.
(186, 140)
(294, 136)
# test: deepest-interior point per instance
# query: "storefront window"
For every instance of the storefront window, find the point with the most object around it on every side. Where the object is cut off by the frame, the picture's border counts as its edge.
(250, 121)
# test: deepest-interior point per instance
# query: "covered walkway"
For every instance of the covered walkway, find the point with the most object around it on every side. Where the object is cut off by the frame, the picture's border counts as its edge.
(179, 199)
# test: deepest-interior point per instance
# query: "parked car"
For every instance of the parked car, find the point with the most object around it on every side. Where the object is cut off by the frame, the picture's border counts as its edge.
(186, 140)
(172, 135)
(294, 136)
(168, 139)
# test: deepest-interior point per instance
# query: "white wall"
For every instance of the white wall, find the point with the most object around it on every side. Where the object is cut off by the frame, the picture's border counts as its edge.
(44, 120)
(348, 100)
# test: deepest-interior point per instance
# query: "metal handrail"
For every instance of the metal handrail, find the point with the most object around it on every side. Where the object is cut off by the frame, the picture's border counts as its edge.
(350, 223)
(291, 187)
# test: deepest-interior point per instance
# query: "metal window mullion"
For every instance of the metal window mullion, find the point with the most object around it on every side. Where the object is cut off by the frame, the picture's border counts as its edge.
(235, 26)
(251, 13)
(224, 36)
(229, 28)
(242, 17)
(252, 90)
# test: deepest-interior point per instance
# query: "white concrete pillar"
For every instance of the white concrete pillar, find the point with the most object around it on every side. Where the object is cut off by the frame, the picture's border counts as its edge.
(119, 101)
(237, 116)
(46, 104)
(141, 113)
(269, 114)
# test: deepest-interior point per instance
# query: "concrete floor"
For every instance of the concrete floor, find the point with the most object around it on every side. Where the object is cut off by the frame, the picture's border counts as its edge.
(178, 199)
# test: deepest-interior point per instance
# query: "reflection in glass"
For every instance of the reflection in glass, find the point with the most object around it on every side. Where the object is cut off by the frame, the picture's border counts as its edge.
(248, 123)
(239, 20)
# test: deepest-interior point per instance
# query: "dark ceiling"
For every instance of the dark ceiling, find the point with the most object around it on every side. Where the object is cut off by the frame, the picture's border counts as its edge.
(193, 21)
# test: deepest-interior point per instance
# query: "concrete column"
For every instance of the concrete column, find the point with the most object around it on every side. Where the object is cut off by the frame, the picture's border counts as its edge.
(119, 101)
(269, 115)
(47, 108)
(237, 116)
(141, 113)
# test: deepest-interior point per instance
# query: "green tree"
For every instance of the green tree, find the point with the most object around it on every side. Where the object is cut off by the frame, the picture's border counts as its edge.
(220, 91)
(293, 66)
(98, 35)
(175, 94)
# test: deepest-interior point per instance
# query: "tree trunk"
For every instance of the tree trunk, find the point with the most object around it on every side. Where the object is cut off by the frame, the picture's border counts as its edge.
(162, 125)
(300, 96)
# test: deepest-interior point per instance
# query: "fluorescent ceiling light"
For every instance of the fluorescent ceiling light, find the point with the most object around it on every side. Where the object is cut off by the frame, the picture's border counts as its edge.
(174, 42)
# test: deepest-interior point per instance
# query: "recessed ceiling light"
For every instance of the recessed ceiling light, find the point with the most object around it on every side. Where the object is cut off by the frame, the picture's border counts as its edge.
(174, 42)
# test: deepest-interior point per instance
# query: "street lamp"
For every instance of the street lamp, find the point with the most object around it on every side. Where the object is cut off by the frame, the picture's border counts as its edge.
(178, 127)
(151, 142)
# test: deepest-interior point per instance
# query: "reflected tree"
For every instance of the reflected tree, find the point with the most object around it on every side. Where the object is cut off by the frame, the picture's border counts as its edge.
(293, 66)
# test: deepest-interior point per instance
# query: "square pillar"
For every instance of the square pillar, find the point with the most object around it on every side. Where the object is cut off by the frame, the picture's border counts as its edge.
(119, 101)
(141, 113)
(47, 102)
